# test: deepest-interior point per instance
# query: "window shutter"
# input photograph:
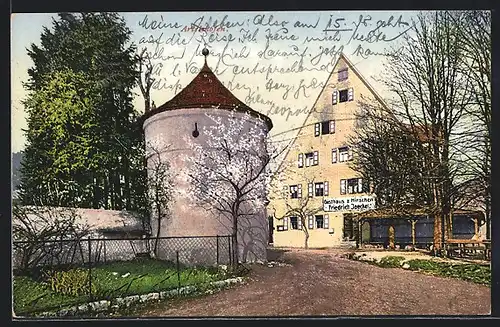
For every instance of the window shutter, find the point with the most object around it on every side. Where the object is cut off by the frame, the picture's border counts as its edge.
(315, 158)
(334, 97)
(310, 190)
(316, 129)
(350, 94)
(299, 223)
(360, 185)
(350, 154)
(342, 186)
(332, 126)
(334, 155)
(299, 191)
(326, 189)
(311, 222)
(285, 223)
(326, 222)
(301, 160)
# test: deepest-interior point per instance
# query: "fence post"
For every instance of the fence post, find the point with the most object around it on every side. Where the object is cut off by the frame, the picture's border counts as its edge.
(90, 268)
(217, 249)
(178, 272)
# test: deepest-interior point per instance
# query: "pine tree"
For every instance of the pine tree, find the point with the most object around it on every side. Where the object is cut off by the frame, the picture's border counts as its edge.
(83, 136)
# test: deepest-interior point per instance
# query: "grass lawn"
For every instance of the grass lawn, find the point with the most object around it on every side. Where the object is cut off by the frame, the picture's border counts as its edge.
(467, 271)
(112, 280)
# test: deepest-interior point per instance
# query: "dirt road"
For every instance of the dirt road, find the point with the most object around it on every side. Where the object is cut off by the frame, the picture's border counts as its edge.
(321, 282)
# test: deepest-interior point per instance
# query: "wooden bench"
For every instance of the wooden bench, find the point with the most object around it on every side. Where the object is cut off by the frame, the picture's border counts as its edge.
(467, 247)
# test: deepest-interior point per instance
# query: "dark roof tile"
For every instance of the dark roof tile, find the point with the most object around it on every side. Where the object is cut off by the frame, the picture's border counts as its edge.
(207, 91)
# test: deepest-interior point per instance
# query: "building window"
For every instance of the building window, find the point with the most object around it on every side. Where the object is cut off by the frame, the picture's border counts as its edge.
(300, 160)
(309, 158)
(334, 155)
(319, 189)
(310, 222)
(343, 96)
(342, 74)
(285, 223)
(319, 221)
(296, 191)
(346, 95)
(351, 186)
(312, 158)
(283, 226)
(294, 223)
(345, 154)
(325, 127)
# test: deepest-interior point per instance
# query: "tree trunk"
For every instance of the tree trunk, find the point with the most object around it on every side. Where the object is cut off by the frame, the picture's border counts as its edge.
(306, 238)
(158, 229)
(437, 233)
(106, 192)
(391, 237)
(488, 225)
(111, 186)
(488, 217)
(235, 238)
(117, 190)
(449, 230)
(126, 192)
(95, 195)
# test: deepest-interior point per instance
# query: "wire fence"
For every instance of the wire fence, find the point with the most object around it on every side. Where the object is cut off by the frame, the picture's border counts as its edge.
(58, 274)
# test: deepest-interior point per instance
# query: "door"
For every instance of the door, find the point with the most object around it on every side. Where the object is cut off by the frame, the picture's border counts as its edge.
(350, 232)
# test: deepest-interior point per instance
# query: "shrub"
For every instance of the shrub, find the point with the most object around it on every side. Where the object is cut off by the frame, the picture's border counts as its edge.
(71, 282)
(391, 261)
(470, 272)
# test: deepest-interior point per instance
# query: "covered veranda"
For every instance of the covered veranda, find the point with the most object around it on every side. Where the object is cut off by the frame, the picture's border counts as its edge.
(411, 226)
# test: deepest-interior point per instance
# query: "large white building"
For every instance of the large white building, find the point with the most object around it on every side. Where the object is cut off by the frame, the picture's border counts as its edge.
(185, 116)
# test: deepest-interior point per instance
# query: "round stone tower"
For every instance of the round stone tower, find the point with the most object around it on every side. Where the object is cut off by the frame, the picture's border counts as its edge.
(185, 116)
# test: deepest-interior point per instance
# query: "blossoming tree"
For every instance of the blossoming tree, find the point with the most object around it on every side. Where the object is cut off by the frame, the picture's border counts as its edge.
(159, 177)
(293, 204)
(230, 166)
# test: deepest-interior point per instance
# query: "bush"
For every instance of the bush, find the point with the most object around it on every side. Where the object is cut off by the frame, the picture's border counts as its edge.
(391, 261)
(71, 282)
(470, 272)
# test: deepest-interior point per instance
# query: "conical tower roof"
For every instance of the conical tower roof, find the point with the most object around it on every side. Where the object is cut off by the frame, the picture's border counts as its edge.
(207, 91)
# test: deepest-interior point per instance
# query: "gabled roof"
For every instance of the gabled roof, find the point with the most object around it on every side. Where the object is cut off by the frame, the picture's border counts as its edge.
(355, 70)
(207, 91)
(422, 133)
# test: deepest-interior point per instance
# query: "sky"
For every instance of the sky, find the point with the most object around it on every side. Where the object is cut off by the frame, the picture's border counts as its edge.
(275, 62)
